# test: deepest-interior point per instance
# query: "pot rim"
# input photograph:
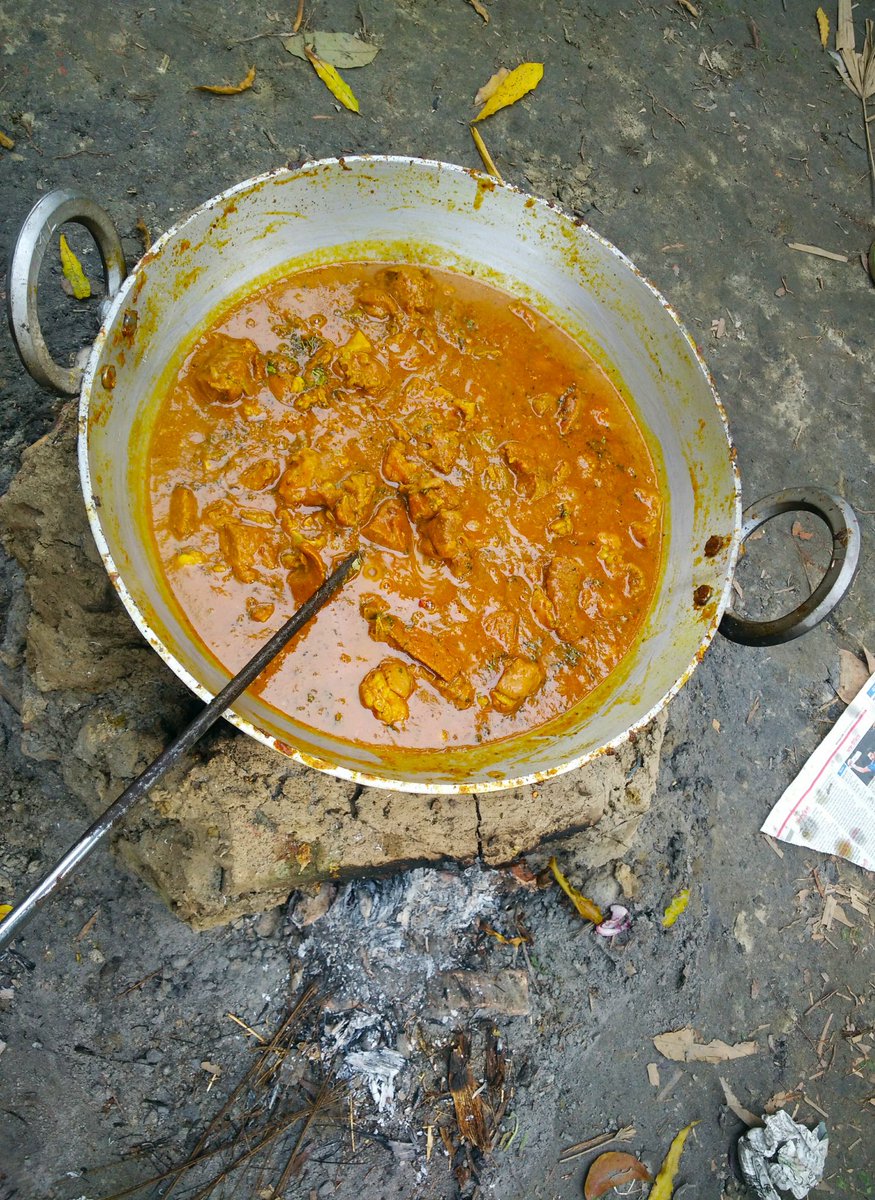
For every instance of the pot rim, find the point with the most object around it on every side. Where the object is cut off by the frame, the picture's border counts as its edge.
(364, 778)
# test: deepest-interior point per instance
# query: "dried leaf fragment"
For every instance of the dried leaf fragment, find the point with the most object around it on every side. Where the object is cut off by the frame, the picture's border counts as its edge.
(677, 906)
(342, 50)
(502, 939)
(6, 142)
(470, 1110)
(798, 531)
(521, 80)
(587, 909)
(338, 87)
(680, 1045)
(490, 87)
(480, 10)
(613, 1170)
(733, 1102)
(73, 272)
(691, 8)
(852, 675)
(664, 1185)
(822, 26)
(857, 70)
(229, 89)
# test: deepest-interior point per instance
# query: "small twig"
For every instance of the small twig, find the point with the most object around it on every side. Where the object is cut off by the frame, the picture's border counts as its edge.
(253, 1072)
(484, 154)
(133, 987)
(601, 1139)
(248, 1028)
(299, 17)
(76, 153)
(670, 1086)
(323, 1100)
(658, 104)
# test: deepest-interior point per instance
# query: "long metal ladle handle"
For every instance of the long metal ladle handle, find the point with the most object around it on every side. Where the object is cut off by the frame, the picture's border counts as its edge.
(13, 924)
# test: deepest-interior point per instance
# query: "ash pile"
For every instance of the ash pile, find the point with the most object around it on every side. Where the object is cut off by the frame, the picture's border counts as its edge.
(413, 1005)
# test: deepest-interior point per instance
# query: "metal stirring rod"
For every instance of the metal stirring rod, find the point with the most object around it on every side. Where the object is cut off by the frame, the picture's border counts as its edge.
(13, 924)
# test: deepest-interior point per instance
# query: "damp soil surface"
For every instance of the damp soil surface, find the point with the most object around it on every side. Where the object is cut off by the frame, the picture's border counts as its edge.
(702, 146)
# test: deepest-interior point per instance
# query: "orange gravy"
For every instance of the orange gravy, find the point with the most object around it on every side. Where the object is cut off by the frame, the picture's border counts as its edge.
(504, 499)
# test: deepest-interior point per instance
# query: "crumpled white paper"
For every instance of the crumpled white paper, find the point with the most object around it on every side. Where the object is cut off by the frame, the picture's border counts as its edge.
(783, 1155)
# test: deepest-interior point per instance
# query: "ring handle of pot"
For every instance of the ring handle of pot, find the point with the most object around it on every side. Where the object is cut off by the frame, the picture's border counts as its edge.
(42, 222)
(845, 530)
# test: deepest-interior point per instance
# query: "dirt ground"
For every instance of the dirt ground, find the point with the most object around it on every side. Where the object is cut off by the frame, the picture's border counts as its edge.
(701, 146)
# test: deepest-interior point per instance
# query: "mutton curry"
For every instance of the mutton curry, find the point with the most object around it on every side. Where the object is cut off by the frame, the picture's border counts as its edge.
(505, 501)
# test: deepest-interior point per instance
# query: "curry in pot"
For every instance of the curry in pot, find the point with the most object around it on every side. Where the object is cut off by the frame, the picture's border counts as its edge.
(502, 494)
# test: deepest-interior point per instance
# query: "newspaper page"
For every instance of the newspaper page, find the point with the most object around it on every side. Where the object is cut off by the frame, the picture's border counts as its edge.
(830, 805)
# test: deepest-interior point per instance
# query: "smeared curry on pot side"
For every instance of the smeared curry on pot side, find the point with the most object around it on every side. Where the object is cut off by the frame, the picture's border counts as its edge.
(504, 499)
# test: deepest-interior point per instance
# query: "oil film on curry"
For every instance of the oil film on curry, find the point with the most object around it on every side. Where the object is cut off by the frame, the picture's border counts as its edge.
(505, 502)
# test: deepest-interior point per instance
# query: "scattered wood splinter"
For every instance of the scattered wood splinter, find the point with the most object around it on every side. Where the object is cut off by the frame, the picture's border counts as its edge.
(484, 154)
(819, 251)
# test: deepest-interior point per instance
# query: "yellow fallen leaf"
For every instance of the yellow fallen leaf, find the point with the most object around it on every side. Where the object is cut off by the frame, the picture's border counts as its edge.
(329, 75)
(523, 79)
(5, 910)
(73, 272)
(229, 89)
(490, 87)
(502, 939)
(823, 26)
(587, 909)
(6, 141)
(484, 154)
(674, 910)
(663, 1186)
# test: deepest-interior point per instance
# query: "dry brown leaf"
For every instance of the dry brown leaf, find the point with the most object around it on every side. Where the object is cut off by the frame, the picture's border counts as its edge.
(799, 532)
(470, 1112)
(680, 1045)
(653, 1074)
(479, 10)
(490, 87)
(613, 1170)
(857, 70)
(691, 8)
(852, 675)
(733, 1102)
(229, 89)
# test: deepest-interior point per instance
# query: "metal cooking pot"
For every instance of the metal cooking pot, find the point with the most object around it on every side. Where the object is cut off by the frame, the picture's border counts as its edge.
(389, 208)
